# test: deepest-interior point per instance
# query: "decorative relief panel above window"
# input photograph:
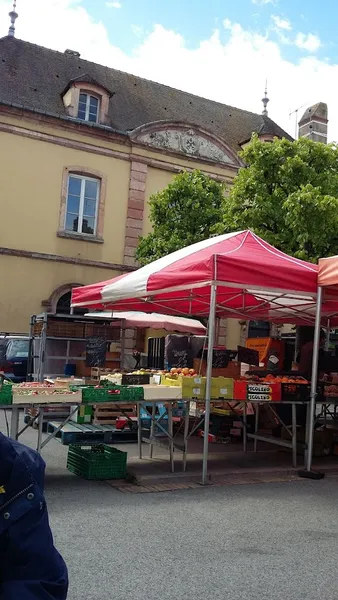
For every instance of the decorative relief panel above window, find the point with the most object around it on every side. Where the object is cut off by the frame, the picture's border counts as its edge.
(190, 140)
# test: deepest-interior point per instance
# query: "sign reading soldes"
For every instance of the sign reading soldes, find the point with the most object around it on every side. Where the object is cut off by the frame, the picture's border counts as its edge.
(263, 392)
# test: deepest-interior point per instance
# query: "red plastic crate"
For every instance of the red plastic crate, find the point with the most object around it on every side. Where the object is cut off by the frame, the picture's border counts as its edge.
(240, 390)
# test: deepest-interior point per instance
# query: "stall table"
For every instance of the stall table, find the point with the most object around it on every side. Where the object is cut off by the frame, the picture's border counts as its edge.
(169, 397)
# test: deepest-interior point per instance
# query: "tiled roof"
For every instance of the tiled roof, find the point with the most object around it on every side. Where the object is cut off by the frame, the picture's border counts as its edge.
(35, 77)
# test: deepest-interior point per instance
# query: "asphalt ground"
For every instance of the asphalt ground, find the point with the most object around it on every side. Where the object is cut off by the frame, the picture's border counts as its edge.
(272, 541)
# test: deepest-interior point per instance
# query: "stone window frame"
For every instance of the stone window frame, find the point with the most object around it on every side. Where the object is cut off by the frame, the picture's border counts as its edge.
(83, 172)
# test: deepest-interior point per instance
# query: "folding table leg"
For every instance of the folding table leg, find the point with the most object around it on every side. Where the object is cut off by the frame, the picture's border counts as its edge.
(40, 430)
(171, 436)
(14, 430)
(294, 435)
(139, 430)
(186, 433)
(152, 429)
(256, 426)
(244, 428)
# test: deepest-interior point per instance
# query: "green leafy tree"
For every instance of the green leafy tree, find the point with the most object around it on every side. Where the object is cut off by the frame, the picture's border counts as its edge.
(288, 194)
(188, 210)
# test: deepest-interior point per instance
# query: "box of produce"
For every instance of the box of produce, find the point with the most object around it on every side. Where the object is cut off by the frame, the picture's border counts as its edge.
(112, 393)
(174, 376)
(191, 384)
(6, 394)
(139, 378)
(222, 387)
(97, 462)
(193, 387)
(292, 389)
(295, 392)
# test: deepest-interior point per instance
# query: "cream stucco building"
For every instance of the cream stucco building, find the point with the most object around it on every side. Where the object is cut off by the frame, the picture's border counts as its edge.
(83, 147)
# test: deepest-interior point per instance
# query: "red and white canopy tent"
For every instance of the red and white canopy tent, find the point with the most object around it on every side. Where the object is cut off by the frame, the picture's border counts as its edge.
(236, 275)
(155, 321)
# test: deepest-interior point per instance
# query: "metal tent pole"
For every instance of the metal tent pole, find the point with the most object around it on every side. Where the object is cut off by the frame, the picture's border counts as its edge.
(314, 381)
(211, 341)
(327, 339)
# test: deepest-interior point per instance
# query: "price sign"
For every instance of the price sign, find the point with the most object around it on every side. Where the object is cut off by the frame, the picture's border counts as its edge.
(259, 393)
(96, 348)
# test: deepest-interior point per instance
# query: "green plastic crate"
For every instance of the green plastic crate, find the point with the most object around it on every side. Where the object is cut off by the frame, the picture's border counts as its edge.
(6, 394)
(114, 393)
(97, 462)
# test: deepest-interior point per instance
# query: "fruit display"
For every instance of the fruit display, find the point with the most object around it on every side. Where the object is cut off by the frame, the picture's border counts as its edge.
(331, 391)
(175, 373)
(34, 388)
(276, 379)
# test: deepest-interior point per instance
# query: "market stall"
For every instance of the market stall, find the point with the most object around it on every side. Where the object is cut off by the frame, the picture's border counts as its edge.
(235, 275)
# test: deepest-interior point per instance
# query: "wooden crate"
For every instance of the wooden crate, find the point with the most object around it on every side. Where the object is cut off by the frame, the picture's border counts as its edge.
(65, 329)
(107, 413)
(233, 370)
(37, 328)
(107, 332)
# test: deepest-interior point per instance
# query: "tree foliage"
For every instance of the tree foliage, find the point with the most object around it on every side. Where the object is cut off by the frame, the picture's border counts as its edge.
(288, 195)
(188, 210)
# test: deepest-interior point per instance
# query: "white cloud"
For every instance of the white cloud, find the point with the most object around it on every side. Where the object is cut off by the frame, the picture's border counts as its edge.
(262, 2)
(231, 71)
(137, 30)
(113, 4)
(281, 23)
(309, 42)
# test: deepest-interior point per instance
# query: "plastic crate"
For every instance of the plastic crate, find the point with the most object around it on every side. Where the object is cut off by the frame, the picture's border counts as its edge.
(112, 393)
(97, 462)
(295, 392)
(6, 394)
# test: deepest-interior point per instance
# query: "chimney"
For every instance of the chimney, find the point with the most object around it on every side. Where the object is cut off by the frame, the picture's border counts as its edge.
(313, 123)
(72, 53)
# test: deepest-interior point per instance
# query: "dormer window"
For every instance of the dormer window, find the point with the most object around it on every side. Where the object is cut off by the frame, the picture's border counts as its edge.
(89, 107)
(87, 100)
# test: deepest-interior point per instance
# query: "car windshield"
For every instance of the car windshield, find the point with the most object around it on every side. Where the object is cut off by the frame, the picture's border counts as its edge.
(17, 349)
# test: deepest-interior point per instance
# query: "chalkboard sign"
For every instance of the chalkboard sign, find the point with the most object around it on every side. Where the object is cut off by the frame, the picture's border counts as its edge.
(133, 379)
(96, 348)
(177, 352)
(220, 358)
(248, 356)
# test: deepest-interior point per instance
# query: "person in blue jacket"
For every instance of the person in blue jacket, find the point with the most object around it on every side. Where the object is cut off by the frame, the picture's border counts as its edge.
(30, 566)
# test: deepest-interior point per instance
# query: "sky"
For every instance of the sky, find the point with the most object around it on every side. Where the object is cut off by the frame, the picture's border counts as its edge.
(224, 50)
